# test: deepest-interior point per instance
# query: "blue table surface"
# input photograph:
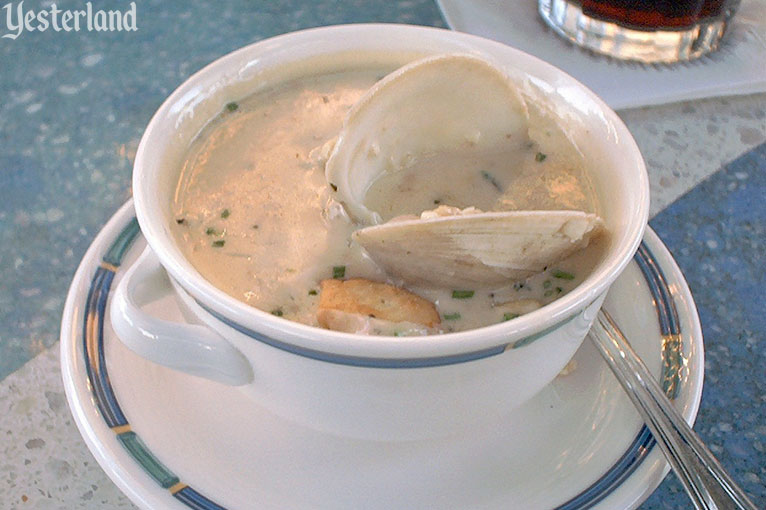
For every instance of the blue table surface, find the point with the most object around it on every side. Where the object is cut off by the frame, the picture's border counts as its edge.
(74, 105)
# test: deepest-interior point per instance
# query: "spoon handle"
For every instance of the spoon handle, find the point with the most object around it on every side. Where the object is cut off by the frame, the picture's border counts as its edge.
(703, 477)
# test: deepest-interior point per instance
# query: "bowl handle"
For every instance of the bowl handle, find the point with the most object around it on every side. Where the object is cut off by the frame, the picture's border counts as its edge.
(191, 348)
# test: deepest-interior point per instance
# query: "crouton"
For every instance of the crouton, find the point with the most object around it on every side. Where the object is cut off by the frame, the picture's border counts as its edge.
(348, 322)
(372, 300)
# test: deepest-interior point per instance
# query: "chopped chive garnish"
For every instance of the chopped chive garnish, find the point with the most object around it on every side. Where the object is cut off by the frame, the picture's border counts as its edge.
(508, 316)
(547, 284)
(462, 294)
(278, 312)
(451, 316)
(540, 157)
(312, 292)
(491, 179)
(396, 333)
(558, 273)
(180, 221)
(232, 107)
(338, 271)
(218, 243)
(210, 231)
(334, 187)
(225, 213)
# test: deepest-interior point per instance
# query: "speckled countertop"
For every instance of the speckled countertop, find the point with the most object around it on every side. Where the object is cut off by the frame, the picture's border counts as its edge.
(74, 105)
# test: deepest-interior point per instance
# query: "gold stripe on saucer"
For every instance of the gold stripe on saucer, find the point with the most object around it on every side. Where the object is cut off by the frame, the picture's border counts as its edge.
(91, 339)
(177, 487)
(109, 267)
(121, 429)
(671, 339)
(673, 364)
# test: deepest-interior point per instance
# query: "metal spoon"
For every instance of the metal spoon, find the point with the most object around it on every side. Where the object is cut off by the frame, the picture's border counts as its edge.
(703, 477)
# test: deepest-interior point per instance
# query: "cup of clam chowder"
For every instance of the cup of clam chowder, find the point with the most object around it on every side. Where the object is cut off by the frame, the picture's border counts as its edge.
(244, 226)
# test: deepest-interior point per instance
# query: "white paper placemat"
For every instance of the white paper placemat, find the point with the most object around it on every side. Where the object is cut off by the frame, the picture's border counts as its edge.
(738, 67)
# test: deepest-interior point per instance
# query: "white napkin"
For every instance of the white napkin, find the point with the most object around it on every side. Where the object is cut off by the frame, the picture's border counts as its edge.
(738, 67)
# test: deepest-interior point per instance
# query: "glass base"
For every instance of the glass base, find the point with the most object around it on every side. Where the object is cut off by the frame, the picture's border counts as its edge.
(661, 46)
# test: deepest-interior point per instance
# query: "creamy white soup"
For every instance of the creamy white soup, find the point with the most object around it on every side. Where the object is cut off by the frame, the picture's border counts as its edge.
(257, 218)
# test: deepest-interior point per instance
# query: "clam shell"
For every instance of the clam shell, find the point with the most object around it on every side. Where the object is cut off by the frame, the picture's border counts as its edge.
(427, 106)
(477, 249)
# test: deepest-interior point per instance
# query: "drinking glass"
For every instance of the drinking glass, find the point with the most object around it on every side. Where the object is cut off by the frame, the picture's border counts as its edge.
(648, 31)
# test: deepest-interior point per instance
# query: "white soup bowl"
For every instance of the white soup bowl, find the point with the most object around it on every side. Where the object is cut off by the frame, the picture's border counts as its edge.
(381, 388)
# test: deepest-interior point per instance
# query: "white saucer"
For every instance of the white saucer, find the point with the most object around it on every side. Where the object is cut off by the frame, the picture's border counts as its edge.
(729, 71)
(173, 441)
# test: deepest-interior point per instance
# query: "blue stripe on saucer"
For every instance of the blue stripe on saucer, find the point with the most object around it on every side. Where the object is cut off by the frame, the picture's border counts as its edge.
(195, 500)
(93, 338)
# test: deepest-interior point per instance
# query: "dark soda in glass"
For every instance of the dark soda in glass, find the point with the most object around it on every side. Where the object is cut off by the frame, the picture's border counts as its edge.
(657, 14)
(647, 31)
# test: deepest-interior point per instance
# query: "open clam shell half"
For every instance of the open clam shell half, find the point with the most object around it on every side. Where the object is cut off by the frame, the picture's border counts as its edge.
(429, 106)
(480, 248)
